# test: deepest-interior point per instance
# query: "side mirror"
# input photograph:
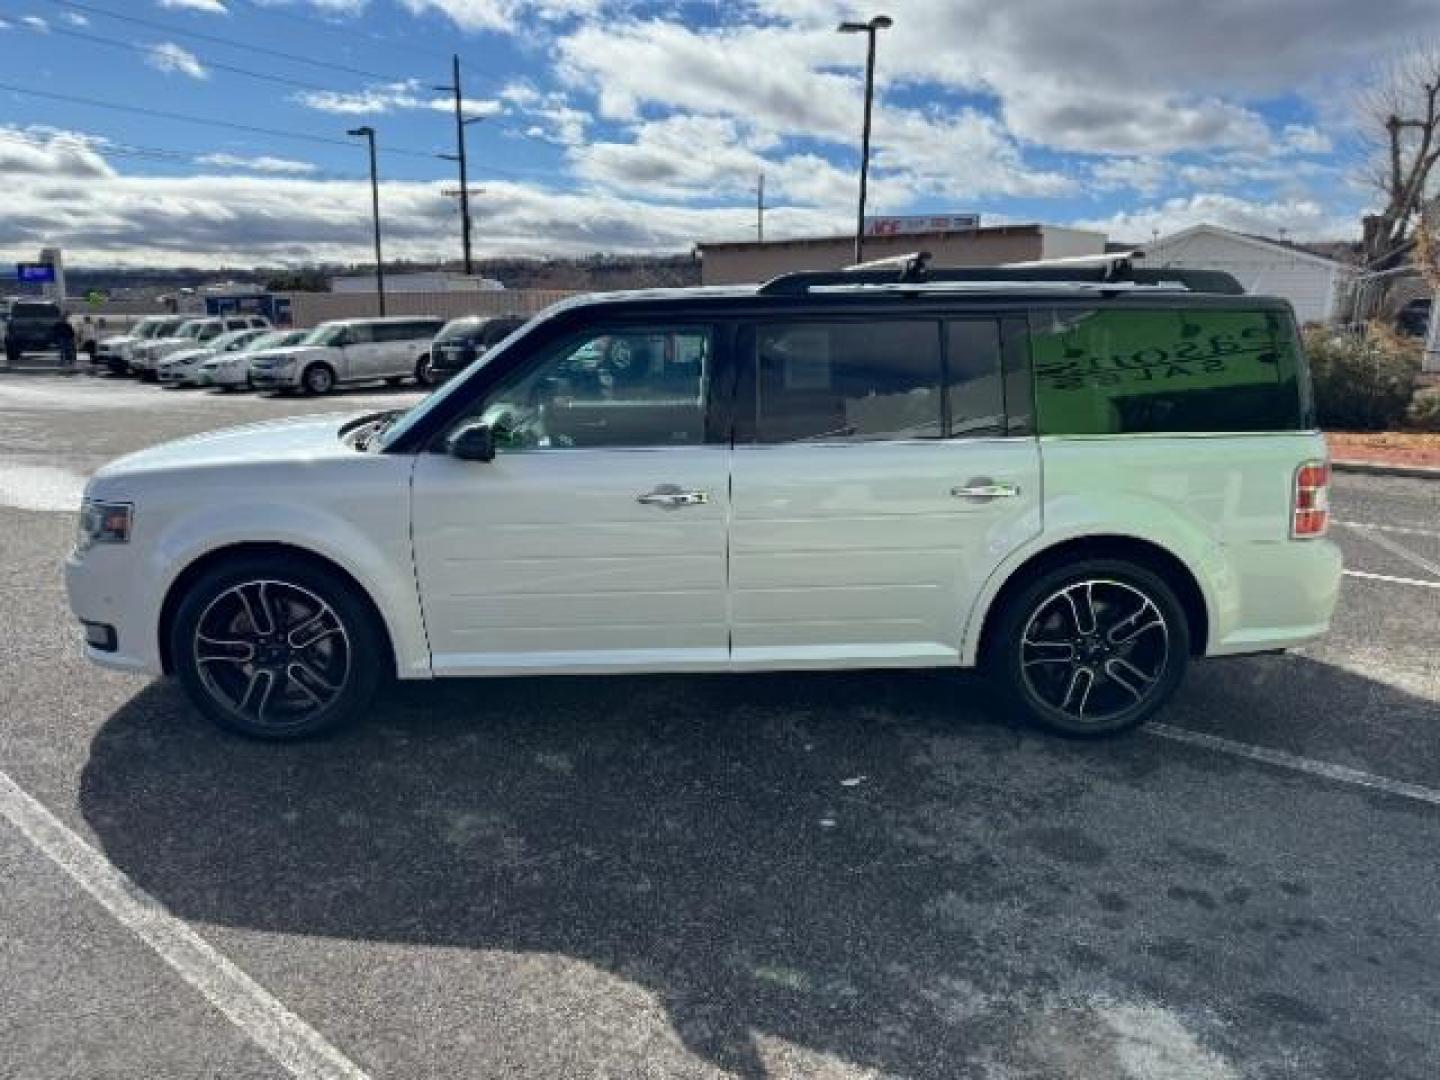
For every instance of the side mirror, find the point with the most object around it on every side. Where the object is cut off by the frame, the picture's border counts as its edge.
(473, 442)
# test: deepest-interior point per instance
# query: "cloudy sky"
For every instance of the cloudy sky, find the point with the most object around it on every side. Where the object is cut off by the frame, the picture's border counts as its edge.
(207, 132)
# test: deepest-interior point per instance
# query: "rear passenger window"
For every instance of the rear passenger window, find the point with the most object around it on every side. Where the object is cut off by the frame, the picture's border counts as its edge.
(878, 380)
(360, 333)
(975, 395)
(1182, 370)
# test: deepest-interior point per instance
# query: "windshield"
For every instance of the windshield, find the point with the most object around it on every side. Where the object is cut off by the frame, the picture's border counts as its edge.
(271, 339)
(408, 419)
(146, 327)
(325, 334)
(190, 329)
(458, 329)
(231, 341)
(166, 328)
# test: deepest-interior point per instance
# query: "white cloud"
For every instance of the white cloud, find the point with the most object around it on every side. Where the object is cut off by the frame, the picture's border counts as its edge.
(381, 98)
(49, 152)
(36, 23)
(1300, 218)
(74, 18)
(1304, 139)
(169, 57)
(1143, 174)
(507, 16)
(261, 164)
(225, 220)
(210, 7)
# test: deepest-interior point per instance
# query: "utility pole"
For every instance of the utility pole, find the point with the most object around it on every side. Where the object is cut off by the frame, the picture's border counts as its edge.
(870, 29)
(369, 135)
(459, 157)
(760, 209)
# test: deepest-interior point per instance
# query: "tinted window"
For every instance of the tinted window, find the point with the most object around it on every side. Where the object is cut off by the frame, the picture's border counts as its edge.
(631, 387)
(360, 333)
(1182, 370)
(875, 380)
(29, 309)
(975, 398)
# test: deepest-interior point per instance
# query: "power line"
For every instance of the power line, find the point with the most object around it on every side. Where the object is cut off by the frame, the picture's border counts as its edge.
(106, 147)
(151, 50)
(216, 39)
(186, 118)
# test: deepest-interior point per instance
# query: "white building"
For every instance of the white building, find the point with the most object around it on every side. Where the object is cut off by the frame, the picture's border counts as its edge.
(424, 281)
(1314, 285)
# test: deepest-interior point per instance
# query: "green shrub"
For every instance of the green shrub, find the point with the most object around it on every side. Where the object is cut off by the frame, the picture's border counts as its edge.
(1425, 410)
(1362, 383)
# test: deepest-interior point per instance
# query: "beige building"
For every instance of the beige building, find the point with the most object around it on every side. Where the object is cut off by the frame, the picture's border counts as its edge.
(752, 261)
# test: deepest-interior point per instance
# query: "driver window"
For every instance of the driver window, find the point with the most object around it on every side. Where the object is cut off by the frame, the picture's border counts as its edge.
(621, 388)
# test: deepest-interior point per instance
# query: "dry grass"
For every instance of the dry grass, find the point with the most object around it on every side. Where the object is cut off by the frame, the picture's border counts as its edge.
(1386, 447)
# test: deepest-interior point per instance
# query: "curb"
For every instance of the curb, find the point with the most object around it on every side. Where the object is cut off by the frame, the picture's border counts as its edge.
(1375, 468)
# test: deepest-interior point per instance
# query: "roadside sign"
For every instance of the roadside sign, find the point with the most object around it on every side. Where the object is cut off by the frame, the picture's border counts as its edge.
(35, 273)
(920, 223)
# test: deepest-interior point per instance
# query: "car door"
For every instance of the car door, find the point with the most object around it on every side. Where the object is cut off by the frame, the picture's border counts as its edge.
(595, 539)
(359, 360)
(876, 485)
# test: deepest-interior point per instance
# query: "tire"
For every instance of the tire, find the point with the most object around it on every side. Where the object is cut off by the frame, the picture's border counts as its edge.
(425, 372)
(1082, 674)
(318, 379)
(296, 691)
(12, 356)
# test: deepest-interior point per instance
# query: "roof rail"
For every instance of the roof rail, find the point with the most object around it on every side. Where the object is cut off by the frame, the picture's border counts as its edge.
(1090, 272)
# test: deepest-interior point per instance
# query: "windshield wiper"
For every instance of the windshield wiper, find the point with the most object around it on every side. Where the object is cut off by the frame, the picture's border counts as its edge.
(380, 423)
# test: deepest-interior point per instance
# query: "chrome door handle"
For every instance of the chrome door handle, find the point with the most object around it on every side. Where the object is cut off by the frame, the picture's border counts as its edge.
(670, 497)
(986, 489)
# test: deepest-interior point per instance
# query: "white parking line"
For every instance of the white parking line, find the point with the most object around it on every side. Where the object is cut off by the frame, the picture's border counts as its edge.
(1407, 530)
(1340, 773)
(1364, 576)
(248, 1005)
(1399, 550)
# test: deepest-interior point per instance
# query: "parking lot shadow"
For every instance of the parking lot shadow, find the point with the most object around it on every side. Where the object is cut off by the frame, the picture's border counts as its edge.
(863, 864)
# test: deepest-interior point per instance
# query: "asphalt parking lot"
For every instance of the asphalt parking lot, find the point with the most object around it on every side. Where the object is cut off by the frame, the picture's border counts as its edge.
(800, 875)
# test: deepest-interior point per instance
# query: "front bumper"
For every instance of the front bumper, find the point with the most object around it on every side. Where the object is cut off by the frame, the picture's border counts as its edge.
(104, 590)
(273, 379)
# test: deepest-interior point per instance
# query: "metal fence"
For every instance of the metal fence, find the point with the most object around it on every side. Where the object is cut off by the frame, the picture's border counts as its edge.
(307, 309)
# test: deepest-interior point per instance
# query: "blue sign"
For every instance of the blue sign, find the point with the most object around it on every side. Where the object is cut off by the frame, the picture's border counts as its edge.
(36, 273)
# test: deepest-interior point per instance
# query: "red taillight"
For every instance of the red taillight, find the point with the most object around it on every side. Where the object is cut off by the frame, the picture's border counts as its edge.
(1311, 510)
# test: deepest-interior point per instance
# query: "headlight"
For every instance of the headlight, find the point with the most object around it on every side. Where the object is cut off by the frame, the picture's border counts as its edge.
(103, 523)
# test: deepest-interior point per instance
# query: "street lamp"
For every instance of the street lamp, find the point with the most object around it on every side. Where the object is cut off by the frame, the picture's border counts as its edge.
(878, 23)
(369, 135)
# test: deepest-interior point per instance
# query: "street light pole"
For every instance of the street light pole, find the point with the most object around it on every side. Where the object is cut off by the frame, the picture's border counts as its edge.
(369, 134)
(878, 23)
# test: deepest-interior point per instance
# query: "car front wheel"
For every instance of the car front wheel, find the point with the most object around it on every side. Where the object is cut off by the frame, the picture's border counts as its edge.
(276, 649)
(318, 379)
(425, 371)
(1091, 648)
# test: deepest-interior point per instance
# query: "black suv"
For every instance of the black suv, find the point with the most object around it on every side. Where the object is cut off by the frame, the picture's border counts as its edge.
(460, 341)
(38, 326)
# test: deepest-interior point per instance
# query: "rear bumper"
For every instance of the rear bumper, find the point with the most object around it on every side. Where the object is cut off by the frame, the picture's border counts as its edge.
(1282, 595)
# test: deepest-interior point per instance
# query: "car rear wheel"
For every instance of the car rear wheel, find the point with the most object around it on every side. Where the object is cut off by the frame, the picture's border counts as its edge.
(1090, 648)
(318, 379)
(276, 649)
(425, 371)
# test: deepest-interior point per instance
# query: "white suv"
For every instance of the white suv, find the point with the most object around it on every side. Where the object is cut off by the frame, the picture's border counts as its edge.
(350, 350)
(145, 356)
(1075, 482)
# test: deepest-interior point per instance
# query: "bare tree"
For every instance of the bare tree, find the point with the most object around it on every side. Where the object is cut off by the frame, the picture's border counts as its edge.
(1401, 113)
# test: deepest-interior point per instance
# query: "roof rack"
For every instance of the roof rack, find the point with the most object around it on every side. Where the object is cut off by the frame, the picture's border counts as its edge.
(1115, 271)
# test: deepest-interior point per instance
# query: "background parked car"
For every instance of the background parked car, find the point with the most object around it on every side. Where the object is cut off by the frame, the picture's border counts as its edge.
(115, 351)
(181, 368)
(461, 341)
(231, 370)
(146, 356)
(38, 326)
(349, 350)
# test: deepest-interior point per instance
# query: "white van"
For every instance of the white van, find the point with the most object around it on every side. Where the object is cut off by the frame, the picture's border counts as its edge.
(350, 350)
(1078, 482)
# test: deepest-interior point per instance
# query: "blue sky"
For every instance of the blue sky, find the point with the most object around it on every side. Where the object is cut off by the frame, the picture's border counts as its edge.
(624, 125)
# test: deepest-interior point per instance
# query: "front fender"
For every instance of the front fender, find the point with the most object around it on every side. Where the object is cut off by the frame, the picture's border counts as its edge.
(376, 553)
